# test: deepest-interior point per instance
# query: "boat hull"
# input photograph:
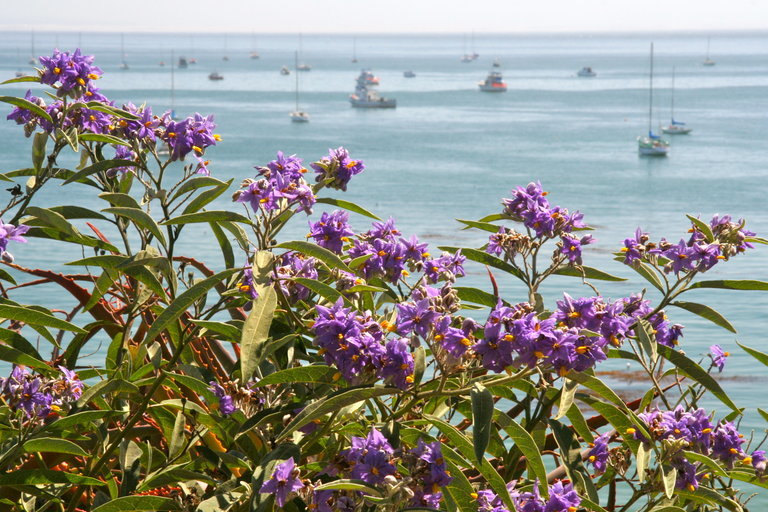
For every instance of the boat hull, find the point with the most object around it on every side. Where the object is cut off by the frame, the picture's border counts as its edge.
(647, 146)
(492, 88)
(676, 130)
(381, 103)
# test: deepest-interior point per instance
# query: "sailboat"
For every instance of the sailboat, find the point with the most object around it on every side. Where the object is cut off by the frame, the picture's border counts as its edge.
(708, 61)
(354, 50)
(32, 59)
(302, 66)
(675, 127)
(298, 116)
(652, 144)
(254, 53)
(173, 89)
(123, 64)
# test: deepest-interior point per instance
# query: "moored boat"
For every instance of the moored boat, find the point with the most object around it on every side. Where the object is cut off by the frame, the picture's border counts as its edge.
(409, 74)
(215, 76)
(651, 144)
(493, 83)
(587, 72)
(675, 127)
(366, 96)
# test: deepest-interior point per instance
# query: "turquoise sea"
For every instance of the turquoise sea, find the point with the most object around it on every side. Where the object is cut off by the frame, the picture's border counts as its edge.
(449, 151)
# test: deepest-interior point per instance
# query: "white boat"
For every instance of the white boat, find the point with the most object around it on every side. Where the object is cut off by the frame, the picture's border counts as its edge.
(493, 83)
(298, 116)
(255, 55)
(587, 72)
(651, 144)
(497, 63)
(304, 67)
(409, 74)
(707, 60)
(285, 71)
(366, 96)
(466, 58)
(675, 127)
(123, 63)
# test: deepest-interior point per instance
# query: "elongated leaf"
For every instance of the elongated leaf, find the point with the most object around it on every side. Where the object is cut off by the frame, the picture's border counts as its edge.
(327, 292)
(39, 142)
(713, 465)
(103, 165)
(587, 273)
(697, 373)
(208, 216)
(597, 386)
(485, 226)
(256, 332)
(668, 477)
(104, 387)
(184, 301)
(15, 356)
(317, 252)
(6, 276)
(525, 443)
(195, 183)
(349, 485)
(52, 219)
(45, 477)
(105, 139)
(706, 312)
(570, 449)
(52, 445)
(19, 342)
(109, 109)
(226, 247)
(77, 212)
(32, 316)
(482, 414)
(647, 339)
(303, 374)
(709, 497)
(667, 508)
(643, 459)
(760, 356)
(646, 271)
(141, 218)
(567, 393)
(178, 438)
(20, 79)
(486, 259)
(138, 503)
(229, 331)
(80, 419)
(334, 402)
(347, 205)
(461, 443)
(120, 199)
(703, 227)
(27, 105)
(732, 284)
(476, 296)
(205, 197)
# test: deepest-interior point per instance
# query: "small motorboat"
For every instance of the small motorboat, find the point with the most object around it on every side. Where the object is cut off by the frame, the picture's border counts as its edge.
(183, 62)
(215, 76)
(409, 74)
(298, 116)
(493, 83)
(285, 71)
(586, 72)
(304, 67)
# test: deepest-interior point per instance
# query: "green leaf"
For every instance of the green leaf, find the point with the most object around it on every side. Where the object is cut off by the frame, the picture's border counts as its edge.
(45, 477)
(20, 79)
(485, 226)
(597, 386)
(98, 167)
(208, 216)
(706, 312)
(228, 331)
(27, 105)
(349, 485)
(590, 505)
(15, 340)
(586, 273)
(195, 183)
(226, 247)
(643, 459)
(120, 199)
(476, 296)
(178, 439)
(52, 219)
(6, 276)
(32, 316)
(106, 139)
(327, 292)
(80, 419)
(760, 356)
(763, 413)
(645, 270)
(567, 394)
(714, 466)
(319, 374)
(482, 414)
(204, 198)
(184, 301)
(105, 387)
(524, 441)
(570, 450)
(15, 356)
(138, 503)
(668, 477)
(256, 332)
(334, 402)
(349, 206)
(703, 227)
(142, 220)
(697, 373)
(39, 142)
(731, 284)
(77, 212)
(109, 109)
(647, 339)
(486, 259)
(52, 445)
(317, 252)
(667, 508)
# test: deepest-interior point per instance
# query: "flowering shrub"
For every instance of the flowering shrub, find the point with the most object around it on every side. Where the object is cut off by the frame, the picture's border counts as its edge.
(349, 371)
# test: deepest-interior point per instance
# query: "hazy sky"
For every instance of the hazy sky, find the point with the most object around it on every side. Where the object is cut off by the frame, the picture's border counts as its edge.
(360, 16)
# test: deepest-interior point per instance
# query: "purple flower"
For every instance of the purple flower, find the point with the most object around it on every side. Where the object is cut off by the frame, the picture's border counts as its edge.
(73, 72)
(226, 402)
(726, 443)
(682, 257)
(416, 317)
(447, 267)
(373, 467)
(452, 339)
(598, 455)
(758, 461)
(291, 265)
(23, 115)
(68, 386)
(32, 400)
(562, 498)
(246, 284)
(718, 356)
(337, 168)
(571, 247)
(283, 482)
(332, 230)
(397, 364)
(9, 232)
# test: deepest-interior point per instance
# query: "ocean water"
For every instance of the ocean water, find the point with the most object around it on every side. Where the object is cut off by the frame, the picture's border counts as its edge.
(449, 151)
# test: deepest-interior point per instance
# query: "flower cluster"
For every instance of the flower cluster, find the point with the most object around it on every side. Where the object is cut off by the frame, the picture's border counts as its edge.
(39, 396)
(9, 232)
(598, 453)
(373, 460)
(332, 231)
(281, 179)
(542, 221)
(700, 253)
(192, 134)
(355, 344)
(575, 337)
(284, 481)
(233, 397)
(336, 169)
(291, 265)
(562, 498)
(72, 74)
(683, 430)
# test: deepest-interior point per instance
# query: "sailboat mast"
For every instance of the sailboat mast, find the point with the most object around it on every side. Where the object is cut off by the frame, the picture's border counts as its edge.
(708, 48)
(173, 85)
(672, 106)
(650, 98)
(296, 72)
